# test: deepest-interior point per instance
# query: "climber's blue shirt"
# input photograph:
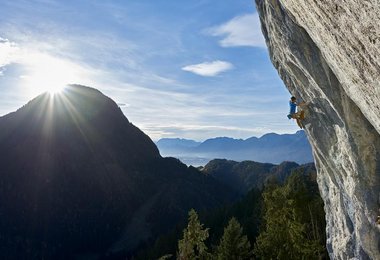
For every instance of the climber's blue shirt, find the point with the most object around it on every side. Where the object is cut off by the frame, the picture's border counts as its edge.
(293, 107)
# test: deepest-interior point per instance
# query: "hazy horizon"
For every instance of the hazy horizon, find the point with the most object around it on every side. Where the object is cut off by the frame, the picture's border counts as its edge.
(212, 137)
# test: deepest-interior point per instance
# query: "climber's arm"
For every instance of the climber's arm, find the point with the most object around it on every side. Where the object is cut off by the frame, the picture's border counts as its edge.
(303, 104)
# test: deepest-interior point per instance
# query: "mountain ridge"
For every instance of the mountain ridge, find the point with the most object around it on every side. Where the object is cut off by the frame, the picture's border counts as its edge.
(269, 148)
(247, 175)
(74, 173)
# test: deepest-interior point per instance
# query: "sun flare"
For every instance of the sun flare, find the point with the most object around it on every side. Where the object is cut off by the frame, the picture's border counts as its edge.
(45, 73)
(55, 90)
(45, 78)
(40, 85)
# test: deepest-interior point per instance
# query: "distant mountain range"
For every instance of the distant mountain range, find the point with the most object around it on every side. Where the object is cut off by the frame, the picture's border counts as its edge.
(270, 148)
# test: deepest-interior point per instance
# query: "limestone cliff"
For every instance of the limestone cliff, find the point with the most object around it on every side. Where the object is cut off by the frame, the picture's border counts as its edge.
(328, 53)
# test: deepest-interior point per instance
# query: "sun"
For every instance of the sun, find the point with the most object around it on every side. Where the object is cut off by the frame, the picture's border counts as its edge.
(55, 89)
(47, 74)
(45, 79)
(38, 84)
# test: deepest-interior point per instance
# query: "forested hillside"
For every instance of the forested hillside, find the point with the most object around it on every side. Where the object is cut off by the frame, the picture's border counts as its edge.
(281, 221)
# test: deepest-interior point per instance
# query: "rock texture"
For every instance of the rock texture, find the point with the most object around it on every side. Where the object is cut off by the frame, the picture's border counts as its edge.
(328, 53)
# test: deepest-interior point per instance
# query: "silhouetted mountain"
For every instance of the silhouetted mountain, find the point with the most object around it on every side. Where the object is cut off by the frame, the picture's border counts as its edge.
(77, 178)
(270, 148)
(247, 175)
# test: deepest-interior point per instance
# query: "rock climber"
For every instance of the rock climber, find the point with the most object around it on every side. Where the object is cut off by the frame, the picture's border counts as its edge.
(297, 115)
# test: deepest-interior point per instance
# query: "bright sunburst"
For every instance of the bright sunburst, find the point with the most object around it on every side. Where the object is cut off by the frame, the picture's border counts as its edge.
(39, 84)
(45, 73)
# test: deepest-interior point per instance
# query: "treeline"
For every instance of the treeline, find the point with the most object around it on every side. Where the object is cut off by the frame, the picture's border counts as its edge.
(281, 222)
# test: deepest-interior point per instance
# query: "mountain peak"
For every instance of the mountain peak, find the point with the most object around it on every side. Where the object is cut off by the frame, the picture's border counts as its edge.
(78, 113)
(73, 99)
(74, 173)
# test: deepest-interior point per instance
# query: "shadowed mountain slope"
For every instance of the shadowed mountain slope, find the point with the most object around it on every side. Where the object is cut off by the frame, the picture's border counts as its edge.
(247, 175)
(75, 174)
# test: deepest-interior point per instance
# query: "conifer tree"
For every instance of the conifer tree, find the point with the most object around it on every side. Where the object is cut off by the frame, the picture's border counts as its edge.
(292, 216)
(192, 245)
(234, 245)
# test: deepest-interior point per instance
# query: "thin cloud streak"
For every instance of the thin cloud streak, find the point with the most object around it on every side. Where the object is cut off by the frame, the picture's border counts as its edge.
(209, 69)
(7, 52)
(243, 30)
(197, 132)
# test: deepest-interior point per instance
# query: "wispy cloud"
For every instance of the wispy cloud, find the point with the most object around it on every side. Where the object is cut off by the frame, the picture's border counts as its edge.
(243, 30)
(197, 132)
(209, 69)
(7, 52)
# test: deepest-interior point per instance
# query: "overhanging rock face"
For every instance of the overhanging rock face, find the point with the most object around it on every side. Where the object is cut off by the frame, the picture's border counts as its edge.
(328, 53)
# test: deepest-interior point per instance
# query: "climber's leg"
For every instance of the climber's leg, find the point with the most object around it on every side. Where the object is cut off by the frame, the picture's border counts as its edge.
(302, 115)
(299, 123)
(296, 116)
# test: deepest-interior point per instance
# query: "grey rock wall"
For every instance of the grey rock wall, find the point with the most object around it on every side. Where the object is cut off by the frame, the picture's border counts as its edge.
(328, 53)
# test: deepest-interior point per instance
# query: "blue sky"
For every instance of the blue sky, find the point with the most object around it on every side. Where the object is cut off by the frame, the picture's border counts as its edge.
(190, 69)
